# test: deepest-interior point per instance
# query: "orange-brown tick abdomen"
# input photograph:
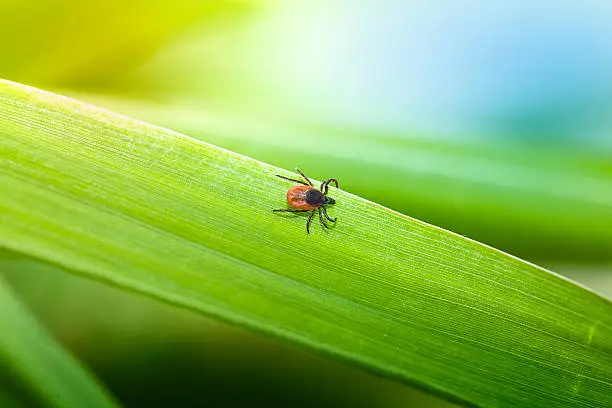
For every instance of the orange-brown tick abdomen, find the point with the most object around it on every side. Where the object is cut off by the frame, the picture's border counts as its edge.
(296, 198)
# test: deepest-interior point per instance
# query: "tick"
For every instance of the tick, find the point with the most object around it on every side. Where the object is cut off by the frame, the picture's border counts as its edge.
(306, 198)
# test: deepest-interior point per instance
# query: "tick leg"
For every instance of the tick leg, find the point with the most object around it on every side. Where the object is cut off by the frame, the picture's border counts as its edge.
(308, 222)
(303, 175)
(325, 184)
(321, 219)
(290, 179)
(290, 210)
(327, 216)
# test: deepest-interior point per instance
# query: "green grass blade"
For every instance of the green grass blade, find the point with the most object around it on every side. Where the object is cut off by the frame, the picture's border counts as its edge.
(496, 193)
(151, 210)
(36, 367)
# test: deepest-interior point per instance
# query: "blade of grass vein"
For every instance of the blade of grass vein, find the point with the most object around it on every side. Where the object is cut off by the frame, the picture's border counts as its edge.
(38, 369)
(191, 224)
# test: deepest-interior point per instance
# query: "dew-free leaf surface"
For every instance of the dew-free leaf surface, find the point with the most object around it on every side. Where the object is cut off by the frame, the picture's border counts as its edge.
(151, 210)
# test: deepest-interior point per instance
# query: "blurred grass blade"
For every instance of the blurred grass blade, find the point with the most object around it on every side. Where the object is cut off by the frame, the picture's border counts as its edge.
(151, 210)
(32, 364)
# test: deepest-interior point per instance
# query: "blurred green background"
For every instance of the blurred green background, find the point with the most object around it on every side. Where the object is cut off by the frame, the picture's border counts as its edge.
(493, 120)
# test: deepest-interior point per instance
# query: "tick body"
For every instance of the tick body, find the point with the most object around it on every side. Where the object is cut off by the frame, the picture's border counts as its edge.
(307, 198)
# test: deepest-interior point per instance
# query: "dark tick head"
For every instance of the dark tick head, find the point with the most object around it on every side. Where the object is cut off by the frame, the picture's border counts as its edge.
(328, 200)
(315, 197)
